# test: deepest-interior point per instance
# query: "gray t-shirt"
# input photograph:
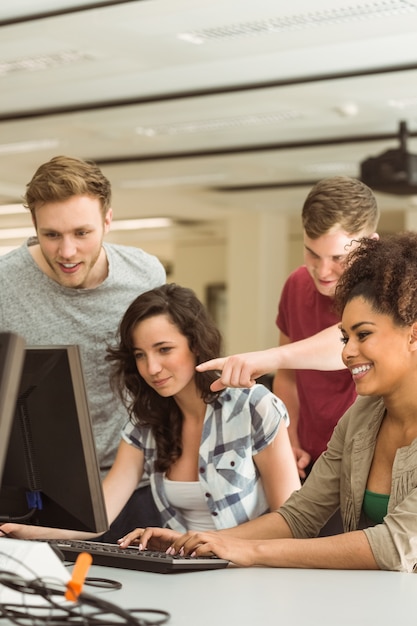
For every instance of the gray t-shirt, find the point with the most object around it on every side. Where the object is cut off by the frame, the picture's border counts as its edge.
(46, 313)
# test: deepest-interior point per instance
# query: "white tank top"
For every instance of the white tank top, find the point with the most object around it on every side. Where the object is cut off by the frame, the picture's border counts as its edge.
(188, 499)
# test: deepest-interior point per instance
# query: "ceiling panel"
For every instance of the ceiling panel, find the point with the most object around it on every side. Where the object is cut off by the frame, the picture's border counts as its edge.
(197, 109)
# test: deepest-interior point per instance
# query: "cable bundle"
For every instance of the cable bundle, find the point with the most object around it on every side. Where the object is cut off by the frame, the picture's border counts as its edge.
(44, 602)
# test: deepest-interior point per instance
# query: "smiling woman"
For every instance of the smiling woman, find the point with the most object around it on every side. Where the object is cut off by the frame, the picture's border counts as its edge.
(369, 469)
(376, 348)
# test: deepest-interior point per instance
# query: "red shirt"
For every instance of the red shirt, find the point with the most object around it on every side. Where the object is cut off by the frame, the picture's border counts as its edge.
(324, 396)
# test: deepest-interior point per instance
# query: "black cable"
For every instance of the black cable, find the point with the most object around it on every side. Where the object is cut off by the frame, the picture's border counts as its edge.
(88, 610)
(102, 583)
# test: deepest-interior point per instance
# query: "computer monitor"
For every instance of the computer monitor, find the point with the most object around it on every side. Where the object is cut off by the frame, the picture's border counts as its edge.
(51, 474)
(12, 352)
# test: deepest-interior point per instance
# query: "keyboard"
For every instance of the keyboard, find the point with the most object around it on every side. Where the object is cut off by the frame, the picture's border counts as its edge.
(112, 555)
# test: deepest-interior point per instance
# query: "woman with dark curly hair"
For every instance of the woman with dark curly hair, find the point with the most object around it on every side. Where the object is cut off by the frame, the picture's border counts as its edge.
(213, 460)
(369, 469)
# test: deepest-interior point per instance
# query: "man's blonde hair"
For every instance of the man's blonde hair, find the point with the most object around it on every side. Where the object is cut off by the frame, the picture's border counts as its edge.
(340, 201)
(63, 177)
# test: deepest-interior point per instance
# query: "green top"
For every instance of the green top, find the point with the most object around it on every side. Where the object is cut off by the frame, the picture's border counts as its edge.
(375, 505)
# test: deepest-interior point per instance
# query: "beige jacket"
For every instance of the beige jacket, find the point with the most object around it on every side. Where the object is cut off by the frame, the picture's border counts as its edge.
(339, 479)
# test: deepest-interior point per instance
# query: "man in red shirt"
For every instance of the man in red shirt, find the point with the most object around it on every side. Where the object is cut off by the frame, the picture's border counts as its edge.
(337, 212)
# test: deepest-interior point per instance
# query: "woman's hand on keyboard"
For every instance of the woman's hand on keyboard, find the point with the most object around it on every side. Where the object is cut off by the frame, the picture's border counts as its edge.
(240, 551)
(154, 538)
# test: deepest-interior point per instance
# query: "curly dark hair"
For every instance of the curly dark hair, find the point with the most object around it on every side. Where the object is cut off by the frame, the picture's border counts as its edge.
(384, 273)
(145, 406)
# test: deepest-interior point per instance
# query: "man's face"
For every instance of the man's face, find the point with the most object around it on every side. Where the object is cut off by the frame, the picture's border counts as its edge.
(325, 258)
(70, 235)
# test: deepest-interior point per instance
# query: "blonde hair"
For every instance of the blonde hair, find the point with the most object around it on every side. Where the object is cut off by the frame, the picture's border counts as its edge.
(343, 202)
(63, 177)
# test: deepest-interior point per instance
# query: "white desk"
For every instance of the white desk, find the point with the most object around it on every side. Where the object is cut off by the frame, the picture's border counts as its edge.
(258, 596)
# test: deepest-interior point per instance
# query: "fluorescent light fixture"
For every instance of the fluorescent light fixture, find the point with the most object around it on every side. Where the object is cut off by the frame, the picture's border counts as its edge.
(219, 124)
(139, 224)
(193, 37)
(13, 209)
(42, 62)
(175, 181)
(28, 146)
(403, 103)
(17, 233)
(312, 19)
(332, 167)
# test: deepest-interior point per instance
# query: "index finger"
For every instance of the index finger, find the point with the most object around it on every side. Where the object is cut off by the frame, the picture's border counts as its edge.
(213, 364)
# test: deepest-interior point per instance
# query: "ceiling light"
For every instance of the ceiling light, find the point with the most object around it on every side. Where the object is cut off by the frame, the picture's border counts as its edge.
(42, 62)
(216, 124)
(139, 224)
(312, 19)
(17, 233)
(28, 146)
(12, 209)
(403, 103)
(174, 181)
(338, 167)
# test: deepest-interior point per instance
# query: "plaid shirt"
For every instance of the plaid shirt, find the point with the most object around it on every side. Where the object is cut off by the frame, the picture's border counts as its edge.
(237, 425)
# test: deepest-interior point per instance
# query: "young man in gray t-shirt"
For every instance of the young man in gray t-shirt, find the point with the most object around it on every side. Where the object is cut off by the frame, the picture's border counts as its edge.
(67, 286)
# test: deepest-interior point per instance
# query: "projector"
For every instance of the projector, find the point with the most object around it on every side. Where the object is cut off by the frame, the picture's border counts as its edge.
(393, 171)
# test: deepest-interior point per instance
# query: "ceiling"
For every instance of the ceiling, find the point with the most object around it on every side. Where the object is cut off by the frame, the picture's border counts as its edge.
(196, 109)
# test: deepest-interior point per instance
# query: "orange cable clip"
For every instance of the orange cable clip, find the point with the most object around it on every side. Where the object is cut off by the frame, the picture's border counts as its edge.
(81, 567)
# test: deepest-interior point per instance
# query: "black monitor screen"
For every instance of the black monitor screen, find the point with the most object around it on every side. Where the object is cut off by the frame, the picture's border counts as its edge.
(12, 352)
(51, 475)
